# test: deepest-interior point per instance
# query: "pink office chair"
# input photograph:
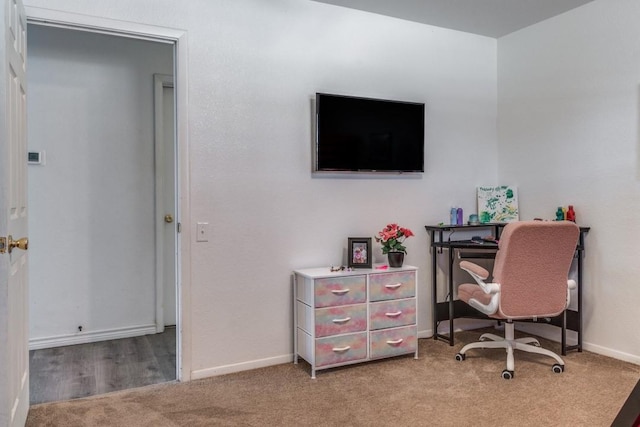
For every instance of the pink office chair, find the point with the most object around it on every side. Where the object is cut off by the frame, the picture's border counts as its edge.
(529, 282)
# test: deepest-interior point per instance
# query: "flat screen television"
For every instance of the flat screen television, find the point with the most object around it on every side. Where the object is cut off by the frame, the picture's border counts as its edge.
(368, 135)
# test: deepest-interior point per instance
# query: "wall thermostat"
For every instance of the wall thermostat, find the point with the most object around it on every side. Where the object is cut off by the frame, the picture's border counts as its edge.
(35, 158)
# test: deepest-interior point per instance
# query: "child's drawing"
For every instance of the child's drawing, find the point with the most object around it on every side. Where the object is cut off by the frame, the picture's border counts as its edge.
(497, 204)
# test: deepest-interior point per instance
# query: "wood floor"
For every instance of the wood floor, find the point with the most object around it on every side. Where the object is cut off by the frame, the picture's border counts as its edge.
(63, 373)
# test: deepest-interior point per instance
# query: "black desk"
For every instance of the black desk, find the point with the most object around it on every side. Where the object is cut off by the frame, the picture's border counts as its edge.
(452, 309)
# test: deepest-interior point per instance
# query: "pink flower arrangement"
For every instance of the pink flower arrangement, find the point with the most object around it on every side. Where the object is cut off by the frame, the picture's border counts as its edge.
(392, 237)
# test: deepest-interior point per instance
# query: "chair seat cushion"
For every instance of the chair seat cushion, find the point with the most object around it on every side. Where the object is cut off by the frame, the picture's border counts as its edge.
(468, 291)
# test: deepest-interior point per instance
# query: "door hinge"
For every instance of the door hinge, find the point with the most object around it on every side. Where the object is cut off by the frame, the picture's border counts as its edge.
(179, 227)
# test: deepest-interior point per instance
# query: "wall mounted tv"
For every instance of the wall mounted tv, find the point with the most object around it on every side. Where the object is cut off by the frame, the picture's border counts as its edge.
(368, 135)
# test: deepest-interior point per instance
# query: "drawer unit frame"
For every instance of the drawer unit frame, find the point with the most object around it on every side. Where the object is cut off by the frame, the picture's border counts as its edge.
(389, 329)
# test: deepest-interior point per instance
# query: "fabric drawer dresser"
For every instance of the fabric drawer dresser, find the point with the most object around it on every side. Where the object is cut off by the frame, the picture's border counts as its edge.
(355, 316)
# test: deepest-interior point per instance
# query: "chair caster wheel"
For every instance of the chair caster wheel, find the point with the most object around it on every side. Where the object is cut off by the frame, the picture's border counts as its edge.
(557, 368)
(460, 357)
(507, 375)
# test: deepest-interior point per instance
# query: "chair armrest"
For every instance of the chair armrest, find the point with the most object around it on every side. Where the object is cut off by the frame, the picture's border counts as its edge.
(571, 284)
(474, 270)
(479, 274)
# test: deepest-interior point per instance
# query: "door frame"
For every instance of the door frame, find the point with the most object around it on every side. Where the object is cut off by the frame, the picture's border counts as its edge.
(162, 182)
(178, 38)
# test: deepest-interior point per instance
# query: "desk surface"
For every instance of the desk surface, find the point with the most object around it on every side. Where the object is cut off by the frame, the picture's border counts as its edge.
(449, 227)
(440, 242)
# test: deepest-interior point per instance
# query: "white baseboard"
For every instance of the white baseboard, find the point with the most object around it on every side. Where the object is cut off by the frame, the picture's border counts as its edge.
(545, 331)
(427, 333)
(462, 324)
(238, 367)
(604, 351)
(552, 333)
(278, 360)
(92, 336)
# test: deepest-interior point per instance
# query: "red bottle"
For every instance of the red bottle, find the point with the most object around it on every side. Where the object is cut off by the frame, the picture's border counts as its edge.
(571, 214)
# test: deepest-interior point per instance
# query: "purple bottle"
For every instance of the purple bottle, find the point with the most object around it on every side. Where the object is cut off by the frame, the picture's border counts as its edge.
(459, 216)
(453, 218)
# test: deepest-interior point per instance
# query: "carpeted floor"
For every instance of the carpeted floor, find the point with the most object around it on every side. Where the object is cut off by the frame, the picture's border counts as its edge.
(435, 390)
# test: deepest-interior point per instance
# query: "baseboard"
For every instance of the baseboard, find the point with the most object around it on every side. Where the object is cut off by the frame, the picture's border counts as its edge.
(238, 367)
(625, 357)
(427, 333)
(552, 333)
(263, 363)
(460, 325)
(92, 336)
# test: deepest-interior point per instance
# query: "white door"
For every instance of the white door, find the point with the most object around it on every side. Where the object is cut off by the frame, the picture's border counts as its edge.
(14, 333)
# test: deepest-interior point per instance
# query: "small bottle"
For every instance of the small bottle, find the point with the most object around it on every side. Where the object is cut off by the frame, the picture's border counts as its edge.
(559, 214)
(453, 219)
(571, 214)
(459, 216)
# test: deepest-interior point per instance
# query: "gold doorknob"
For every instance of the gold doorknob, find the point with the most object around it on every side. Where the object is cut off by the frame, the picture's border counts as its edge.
(22, 243)
(168, 218)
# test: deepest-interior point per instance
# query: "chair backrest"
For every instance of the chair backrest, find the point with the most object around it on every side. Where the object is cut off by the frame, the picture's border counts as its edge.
(532, 266)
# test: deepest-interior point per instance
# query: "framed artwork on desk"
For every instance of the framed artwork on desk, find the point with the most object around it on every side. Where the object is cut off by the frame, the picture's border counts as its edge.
(359, 252)
(497, 204)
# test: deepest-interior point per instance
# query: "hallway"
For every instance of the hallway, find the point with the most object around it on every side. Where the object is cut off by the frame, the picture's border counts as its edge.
(70, 372)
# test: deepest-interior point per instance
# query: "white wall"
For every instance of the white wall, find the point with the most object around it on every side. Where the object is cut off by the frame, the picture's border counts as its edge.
(253, 69)
(90, 106)
(569, 90)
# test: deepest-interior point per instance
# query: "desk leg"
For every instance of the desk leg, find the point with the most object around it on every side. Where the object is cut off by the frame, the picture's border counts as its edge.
(579, 301)
(434, 291)
(451, 310)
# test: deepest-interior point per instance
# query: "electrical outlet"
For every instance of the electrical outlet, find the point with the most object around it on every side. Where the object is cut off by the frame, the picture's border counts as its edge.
(202, 232)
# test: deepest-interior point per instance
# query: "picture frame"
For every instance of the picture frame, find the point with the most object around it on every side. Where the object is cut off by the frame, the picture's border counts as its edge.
(359, 252)
(497, 204)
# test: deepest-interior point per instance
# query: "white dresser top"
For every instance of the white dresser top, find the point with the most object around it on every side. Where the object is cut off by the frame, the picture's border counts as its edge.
(320, 272)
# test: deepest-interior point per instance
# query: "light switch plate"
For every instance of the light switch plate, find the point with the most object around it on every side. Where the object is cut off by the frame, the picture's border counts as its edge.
(202, 232)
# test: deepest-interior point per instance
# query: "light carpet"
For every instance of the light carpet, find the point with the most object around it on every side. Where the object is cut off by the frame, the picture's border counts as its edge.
(435, 390)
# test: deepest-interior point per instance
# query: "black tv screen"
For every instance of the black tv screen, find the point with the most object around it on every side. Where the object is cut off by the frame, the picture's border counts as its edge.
(368, 135)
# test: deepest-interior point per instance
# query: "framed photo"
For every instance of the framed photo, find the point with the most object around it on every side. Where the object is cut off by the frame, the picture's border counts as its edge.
(359, 252)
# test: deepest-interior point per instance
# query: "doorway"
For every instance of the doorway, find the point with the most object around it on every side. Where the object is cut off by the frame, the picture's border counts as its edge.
(94, 220)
